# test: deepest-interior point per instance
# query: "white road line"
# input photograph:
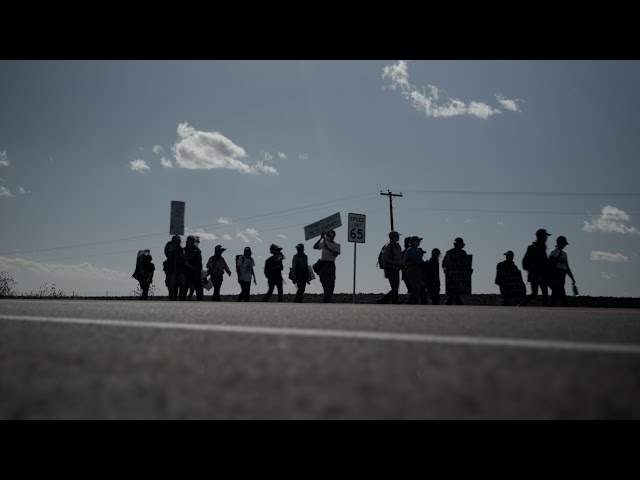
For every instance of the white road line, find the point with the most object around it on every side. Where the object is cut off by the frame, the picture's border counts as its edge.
(592, 347)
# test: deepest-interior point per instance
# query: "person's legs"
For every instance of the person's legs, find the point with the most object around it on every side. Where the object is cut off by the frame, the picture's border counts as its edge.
(280, 292)
(267, 295)
(302, 286)
(217, 283)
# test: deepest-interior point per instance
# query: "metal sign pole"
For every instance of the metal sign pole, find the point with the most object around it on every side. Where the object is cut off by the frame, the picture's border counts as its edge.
(354, 272)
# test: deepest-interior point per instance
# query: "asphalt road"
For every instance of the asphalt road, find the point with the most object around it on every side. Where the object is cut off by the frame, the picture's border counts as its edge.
(70, 359)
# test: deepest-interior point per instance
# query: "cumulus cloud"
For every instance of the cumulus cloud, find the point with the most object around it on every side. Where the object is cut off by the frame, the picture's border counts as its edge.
(5, 192)
(202, 234)
(607, 276)
(243, 237)
(253, 233)
(22, 191)
(4, 160)
(611, 220)
(157, 149)
(227, 237)
(281, 236)
(166, 163)
(608, 257)
(198, 150)
(224, 221)
(508, 104)
(138, 166)
(303, 156)
(282, 155)
(84, 271)
(428, 100)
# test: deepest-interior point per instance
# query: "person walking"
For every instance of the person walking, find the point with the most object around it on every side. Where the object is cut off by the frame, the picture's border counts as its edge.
(559, 269)
(330, 250)
(509, 279)
(536, 263)
(273, 271)
(193, 264)
(244, 267)
(453, 265)
(217, 266)
(174, 269)
(144, 272)
(413, 264)
(431, 276)
(300, 272)
(392, 264)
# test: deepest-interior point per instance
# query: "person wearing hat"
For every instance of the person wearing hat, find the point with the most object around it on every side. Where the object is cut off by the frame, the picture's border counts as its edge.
(452, 264)
(174, 267)
(392, 264)
(431, 277)
(144, 272)
(244, 267)
(559, 263)
(509, 279)
(273, 271)
(413, 262)
(536, 263)
(216, 266)
(300, 272)
(327, 264)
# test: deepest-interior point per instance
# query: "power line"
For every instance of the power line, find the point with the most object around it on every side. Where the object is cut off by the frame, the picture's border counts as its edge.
(529, 194)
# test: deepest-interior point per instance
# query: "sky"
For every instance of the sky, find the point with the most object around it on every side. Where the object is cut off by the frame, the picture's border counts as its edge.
(93, 152)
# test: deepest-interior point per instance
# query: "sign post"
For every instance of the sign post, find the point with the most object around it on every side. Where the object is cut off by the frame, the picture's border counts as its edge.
(176, 227)
(357, 234)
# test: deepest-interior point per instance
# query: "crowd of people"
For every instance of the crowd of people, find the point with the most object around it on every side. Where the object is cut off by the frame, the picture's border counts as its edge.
(184, 274)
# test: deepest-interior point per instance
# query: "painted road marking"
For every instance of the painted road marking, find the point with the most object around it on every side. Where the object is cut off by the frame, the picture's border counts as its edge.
(592, 347)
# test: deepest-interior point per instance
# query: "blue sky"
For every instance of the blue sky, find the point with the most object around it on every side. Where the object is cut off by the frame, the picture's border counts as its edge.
(93, 152)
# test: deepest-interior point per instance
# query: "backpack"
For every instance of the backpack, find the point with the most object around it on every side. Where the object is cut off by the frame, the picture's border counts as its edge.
(526, 260)
(380, 257)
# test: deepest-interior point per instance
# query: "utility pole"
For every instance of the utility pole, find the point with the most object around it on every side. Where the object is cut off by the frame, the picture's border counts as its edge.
(391, 195)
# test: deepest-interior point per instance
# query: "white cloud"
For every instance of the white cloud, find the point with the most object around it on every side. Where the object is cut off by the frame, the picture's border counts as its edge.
(281, 236)
(84, 271)
(611, 220)
(157, 149)
(198, 150)
(267, 156)
(303, 156)
(138, 166)
(243, 237)
(4, 160)
(608, 257)
(202, 234)
(508, 104)
(607, 276)
(253, 233)
(501, 224)
(5, 192)
(166, 163)
(22, 191)
(430, 103)
(282, 156)
(468, 220)
(224, 221)
(227, 237)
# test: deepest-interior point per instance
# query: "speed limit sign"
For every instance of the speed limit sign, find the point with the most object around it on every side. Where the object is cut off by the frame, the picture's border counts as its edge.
(357, 228)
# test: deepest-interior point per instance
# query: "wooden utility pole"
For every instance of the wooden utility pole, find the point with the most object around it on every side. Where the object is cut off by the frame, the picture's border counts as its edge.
(391, 195)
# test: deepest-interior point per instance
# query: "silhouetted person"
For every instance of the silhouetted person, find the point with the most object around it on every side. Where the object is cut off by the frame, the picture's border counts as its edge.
(536, 263)
(509, 279)
(431, 276)
(393, 264)
(450, 265)
(216, 266)
(300, 272)
(273, 271)
(144, 272)
(327, 265)
(403, 272)
(413, 261)
(244, 267)
(559, 263)
(193, 270)
(174, 269)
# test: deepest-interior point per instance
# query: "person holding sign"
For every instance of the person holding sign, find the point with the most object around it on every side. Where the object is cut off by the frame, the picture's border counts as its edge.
(327, 264)
(509, 279)
(457, 271)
